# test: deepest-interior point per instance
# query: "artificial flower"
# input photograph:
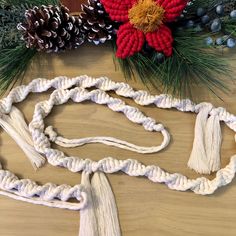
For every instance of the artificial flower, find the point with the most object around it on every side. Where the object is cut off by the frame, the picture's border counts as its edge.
(144, 20)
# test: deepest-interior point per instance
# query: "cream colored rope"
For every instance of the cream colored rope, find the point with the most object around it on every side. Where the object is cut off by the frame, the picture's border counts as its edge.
(75, 89)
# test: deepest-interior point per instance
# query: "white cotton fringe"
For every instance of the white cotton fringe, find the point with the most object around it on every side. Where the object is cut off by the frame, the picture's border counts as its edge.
(88, 221)
(14, 124)
(198, 159)
(213, 141)
(105, 206)
(205, 155)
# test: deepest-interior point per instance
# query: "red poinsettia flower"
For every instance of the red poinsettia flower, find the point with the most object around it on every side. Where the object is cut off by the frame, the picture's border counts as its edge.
(144, 20)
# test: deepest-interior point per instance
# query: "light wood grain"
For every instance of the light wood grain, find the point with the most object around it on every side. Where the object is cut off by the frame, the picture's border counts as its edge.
(145, 208)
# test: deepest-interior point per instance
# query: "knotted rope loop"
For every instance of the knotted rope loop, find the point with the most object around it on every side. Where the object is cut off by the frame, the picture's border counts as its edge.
(52, 135)
(70, 143)
(42, 109)
(63, 92)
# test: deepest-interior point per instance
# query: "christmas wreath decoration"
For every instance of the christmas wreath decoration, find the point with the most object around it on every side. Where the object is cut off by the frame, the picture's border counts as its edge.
(144, 20)
(171, 45)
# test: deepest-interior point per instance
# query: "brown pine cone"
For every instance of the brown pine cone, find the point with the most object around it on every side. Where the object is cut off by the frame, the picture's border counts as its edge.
(51, 29)
(95, 22)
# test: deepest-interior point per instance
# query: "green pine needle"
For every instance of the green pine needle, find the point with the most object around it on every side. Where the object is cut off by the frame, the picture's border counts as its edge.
(14, 56)
(13, 64)
(229, 26)
(208, 4)
(28, 2)
(192, 63)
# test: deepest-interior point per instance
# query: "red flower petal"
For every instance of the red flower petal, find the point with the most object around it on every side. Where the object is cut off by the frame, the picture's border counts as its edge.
(161, 40)
(173, 8)
(129, 41)
(117, 9)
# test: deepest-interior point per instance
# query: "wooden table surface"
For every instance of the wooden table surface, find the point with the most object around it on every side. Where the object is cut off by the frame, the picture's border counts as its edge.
(145, 208)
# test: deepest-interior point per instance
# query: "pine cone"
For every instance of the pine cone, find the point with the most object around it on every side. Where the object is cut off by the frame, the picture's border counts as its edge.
(96, 24)
(51, 29)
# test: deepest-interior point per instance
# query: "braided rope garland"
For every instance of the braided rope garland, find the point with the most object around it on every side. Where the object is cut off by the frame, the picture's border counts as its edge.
(48, 194)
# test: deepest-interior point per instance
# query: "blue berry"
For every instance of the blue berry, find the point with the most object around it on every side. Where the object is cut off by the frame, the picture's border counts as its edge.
(216, 25)
(190, 24)
(219, 41)
(209, 41)
(205, 19)
(233, 14)
(220, 9)
(231, 43)
(160, 57)
(201, 11)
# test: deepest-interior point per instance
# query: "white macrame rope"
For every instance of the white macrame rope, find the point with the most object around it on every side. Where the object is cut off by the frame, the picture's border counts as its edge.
(110, 165)
(37, 201)
(28, 191)
(110, 141)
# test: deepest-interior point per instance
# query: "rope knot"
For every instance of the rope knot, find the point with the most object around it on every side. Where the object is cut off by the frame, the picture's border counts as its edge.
(159, 127)
(207, 107)
(214, 112)
(52, 135)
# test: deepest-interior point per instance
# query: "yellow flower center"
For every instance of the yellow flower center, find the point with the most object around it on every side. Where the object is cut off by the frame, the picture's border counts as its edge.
(146, 15)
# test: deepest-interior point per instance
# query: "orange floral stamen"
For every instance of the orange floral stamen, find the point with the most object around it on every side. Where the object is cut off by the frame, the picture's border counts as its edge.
(146, 15)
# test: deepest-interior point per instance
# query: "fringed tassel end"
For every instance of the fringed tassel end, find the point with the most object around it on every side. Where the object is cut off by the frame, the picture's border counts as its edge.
(88, 221)
(198, 159)
(105, 205)
(14, 124)
(99, 217)
(205, 155)
(213, 141)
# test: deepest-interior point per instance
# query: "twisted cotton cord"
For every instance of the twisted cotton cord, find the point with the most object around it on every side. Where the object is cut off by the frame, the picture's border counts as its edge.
(141, 97)
(110, 141)
(111, 165)
(48, 195)
(98, 96)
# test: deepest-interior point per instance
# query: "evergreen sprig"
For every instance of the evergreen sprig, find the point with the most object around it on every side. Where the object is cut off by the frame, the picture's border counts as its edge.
(229, 26)
(27, 2)
(9, 35)
(14, 56)
(192, 63)
(208, 4)
(13, 64)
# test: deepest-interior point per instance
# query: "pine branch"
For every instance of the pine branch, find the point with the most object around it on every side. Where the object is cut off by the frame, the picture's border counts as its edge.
(192, 63)
(208, 4)
(28, 2)
(14, 56)
(13, 64)
(9, 35)
(229, 26)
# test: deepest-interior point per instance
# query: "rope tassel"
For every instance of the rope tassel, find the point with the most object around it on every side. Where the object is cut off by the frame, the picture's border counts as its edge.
(88, 221)
(105, 205)
(14, 124)
(198, 158)
(213, 141)
(205, 155)
(99, 217)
